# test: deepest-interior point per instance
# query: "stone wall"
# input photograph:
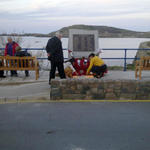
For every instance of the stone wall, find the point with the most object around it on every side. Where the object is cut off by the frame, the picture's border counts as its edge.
(93, 89)
(140, 53)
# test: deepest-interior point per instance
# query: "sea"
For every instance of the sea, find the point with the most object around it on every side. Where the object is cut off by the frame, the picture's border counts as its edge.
(104, 43)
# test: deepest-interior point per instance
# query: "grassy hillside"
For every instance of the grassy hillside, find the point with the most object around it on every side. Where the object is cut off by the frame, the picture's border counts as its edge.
(105, 31)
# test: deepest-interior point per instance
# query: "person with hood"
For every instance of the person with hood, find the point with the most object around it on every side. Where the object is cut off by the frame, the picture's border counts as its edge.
(10, 50)
(55, 56)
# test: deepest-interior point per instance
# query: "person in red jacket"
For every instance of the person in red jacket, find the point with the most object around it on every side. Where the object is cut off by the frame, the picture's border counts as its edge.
(10, 50)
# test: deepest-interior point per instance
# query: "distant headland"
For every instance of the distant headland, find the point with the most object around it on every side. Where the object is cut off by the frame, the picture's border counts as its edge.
(104, 32)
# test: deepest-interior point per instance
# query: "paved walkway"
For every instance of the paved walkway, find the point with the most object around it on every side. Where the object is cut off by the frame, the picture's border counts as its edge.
(128, 75)
(25, 88)
(28, 88)
(39, 90)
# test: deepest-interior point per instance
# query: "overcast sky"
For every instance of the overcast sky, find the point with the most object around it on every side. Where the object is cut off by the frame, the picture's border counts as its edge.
(44, 16)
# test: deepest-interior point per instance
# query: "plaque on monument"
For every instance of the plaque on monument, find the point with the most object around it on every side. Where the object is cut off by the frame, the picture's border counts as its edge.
(83, 42)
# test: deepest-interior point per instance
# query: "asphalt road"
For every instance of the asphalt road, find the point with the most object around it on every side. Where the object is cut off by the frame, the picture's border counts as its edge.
(75, 126)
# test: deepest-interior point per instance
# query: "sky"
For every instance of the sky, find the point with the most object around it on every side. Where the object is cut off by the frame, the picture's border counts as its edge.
(45, 16)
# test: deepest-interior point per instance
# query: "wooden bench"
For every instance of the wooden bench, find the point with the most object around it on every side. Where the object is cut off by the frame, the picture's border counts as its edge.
(9, 63)
(142, 64)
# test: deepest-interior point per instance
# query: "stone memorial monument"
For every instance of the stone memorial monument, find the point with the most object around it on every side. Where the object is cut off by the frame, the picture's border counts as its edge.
(83, 42)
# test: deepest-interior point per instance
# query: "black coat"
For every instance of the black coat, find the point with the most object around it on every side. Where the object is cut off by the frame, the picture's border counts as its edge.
(54, 48)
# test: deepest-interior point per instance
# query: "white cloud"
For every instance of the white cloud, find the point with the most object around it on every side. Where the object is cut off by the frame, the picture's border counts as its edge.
(65, 12)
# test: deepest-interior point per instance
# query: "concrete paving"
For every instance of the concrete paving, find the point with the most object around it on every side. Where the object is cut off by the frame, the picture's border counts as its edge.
(75, 126)
(39, 90)
(25, 88)
(128, 75)
(28, 88)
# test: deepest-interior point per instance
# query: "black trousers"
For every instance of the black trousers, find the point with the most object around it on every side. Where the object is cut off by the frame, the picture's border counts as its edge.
(99, 70)
(1, 73)
(25, 63)
(60, 67)
(14, 72)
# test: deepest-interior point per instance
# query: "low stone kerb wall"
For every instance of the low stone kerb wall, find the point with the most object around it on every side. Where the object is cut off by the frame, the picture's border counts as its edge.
(94, 89)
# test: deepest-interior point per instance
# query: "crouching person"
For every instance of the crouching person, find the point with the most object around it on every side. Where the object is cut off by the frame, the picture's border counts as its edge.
(20, 53)
(97, 66)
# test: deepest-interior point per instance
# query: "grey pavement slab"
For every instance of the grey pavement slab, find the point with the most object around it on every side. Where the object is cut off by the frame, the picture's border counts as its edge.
(128, 75)
(31, 90)
(75, 126)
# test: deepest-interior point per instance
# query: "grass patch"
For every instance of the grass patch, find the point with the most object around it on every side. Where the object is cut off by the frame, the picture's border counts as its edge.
(115, 68)
(130, 67)
(120, 68)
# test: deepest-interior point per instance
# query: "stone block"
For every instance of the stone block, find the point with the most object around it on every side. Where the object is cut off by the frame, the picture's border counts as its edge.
(79, 86)
(67, 91)
(98, 96)
(128, 96)
(101, 91)
(100, 85)
(140, 96)
(85, 89)
(110, 96)
(128, 87)
(94, 90)
(55, 83)
(117, 85)
(117, 92)
(88, 92)
(88, 97)
(74, 96)
(109, 90)
(55, 94)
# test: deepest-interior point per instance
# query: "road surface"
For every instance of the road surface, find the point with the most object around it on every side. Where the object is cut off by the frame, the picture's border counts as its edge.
(75, 126)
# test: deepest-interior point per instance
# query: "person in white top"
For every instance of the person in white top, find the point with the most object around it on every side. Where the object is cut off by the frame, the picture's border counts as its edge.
(68, 64)
(69, 69)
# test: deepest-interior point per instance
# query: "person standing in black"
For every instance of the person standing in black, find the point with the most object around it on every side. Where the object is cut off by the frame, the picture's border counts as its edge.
(1, 71)
(55, 55)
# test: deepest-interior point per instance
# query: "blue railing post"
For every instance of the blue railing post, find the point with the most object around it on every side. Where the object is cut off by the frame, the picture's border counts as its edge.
(125, 60)
(26, 50)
